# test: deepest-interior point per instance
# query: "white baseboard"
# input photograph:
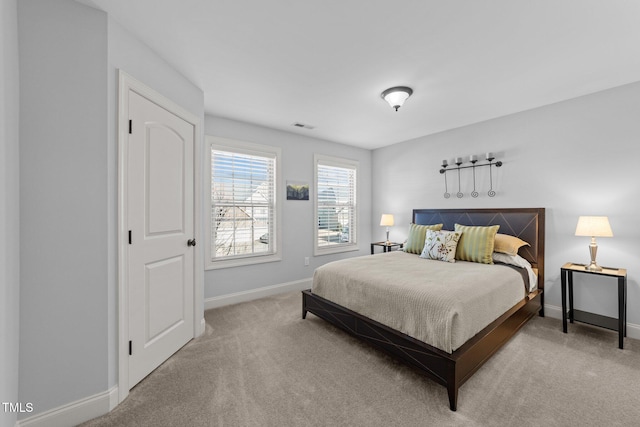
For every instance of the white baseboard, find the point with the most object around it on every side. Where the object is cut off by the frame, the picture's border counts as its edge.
(553, 311)
(203, 325)
(633, 330)
(74, 413)
(252, 294)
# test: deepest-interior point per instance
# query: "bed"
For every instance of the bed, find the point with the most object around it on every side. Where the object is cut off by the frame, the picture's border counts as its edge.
(447, 359)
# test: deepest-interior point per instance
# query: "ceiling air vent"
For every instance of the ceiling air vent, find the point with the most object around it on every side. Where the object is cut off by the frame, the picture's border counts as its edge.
(302, 125)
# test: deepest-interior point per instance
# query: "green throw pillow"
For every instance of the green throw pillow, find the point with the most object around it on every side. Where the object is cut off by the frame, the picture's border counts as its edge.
(417, 234)
(476, 243)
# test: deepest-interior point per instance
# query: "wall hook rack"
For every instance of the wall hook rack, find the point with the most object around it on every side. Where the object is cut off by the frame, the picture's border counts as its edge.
(473, 160)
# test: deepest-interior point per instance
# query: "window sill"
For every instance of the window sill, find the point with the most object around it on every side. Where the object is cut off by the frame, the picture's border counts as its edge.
(239, 262)
(335, 250)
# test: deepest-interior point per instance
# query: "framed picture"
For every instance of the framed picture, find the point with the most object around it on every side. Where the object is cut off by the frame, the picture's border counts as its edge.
(297, 190)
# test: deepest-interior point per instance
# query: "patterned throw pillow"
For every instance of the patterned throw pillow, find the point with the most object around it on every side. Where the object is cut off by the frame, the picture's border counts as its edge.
(417, 234)
(476, 243)
(441, 245)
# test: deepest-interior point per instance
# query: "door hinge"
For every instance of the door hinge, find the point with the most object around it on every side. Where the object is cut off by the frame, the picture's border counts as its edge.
(129, 236)
(130, 127)
(130, 348)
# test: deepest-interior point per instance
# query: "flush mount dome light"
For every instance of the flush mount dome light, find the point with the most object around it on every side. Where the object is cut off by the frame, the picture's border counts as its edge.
(396, 96)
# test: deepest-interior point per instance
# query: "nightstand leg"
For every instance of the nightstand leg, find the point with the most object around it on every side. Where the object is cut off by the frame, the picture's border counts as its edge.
(625, 306)
(563, 290)
(570, 274)
(622, 321)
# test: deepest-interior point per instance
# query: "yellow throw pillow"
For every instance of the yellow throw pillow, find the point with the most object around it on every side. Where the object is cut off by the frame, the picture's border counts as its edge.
(507, 244)
(476, 243)
(417, 235)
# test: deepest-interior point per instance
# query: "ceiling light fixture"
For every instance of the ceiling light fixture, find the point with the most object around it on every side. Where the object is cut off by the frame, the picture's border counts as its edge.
(396, 96)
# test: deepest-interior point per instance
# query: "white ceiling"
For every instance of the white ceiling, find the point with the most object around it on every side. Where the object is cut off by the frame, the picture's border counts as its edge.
(325, 62)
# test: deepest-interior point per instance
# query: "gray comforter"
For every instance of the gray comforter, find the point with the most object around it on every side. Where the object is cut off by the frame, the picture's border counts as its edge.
(442, 304)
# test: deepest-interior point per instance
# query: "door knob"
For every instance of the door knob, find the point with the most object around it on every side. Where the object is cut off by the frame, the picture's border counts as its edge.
(191, 242)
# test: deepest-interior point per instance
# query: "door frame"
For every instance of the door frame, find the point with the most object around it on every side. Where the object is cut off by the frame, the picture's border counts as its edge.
(126, 83)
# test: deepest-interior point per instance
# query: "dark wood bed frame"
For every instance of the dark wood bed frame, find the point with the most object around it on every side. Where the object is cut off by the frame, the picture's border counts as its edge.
(452, 370)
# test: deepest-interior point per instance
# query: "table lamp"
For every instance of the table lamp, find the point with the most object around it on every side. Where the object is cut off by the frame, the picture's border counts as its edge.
(593, 226)
(387, 221)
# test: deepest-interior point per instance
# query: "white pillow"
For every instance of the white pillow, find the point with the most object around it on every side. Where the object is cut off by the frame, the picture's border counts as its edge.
(441, 245)
(518, 261)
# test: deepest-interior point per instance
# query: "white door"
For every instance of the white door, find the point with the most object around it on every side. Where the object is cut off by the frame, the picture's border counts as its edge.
(160, 188)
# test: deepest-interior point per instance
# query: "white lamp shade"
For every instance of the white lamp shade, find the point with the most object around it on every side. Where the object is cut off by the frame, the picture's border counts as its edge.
(386, 220)
(396, 96)
(594, 226)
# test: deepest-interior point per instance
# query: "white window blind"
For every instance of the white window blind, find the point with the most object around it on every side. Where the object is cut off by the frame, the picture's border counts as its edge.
(243, 203)
(336, 204)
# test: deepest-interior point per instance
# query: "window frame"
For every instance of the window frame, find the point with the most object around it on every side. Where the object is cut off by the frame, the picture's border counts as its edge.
(318, 160)
(253, 149)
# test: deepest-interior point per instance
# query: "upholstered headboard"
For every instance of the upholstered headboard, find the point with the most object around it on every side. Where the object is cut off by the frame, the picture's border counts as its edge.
(524, 223)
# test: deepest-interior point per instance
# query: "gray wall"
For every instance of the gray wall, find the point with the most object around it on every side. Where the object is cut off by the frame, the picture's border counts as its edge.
(573, 158)
(63, 202)
(297, 220)
(9, 209)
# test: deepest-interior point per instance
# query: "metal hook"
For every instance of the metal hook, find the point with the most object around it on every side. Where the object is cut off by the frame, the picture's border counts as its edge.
(446, 189)
(491, 193)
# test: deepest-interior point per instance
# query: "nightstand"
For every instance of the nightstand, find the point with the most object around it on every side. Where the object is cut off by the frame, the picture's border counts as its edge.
(386, 247)
(619, 324)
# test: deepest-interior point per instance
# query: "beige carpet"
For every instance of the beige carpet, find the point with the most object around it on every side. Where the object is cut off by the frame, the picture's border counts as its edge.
(260, 364)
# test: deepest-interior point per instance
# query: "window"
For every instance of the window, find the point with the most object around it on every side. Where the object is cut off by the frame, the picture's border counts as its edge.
(335, 205)
(243, 226)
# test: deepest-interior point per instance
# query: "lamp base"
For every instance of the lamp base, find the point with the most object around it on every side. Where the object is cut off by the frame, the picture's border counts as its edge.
(593, 249)
(593, 267)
